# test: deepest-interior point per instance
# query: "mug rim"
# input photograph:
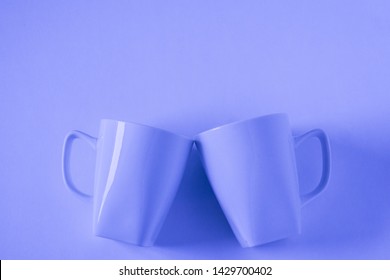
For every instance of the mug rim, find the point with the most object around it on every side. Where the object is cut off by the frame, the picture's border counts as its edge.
(149, 127)
(239, 122)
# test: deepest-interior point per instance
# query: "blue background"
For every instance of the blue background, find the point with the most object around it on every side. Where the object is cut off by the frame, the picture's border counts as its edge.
(188, 66)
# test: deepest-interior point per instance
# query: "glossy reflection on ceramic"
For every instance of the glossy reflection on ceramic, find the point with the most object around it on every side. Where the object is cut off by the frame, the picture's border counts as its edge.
(252, 170)
(137, 174)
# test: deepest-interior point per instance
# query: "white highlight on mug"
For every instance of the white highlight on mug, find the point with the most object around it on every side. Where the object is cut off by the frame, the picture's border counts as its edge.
(120, 132)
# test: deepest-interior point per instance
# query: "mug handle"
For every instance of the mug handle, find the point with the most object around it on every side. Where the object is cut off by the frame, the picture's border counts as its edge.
(75, 134)
(325, 148)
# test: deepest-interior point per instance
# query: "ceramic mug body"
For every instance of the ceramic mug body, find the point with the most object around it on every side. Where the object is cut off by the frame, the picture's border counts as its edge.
(137, 174)
(252, 170)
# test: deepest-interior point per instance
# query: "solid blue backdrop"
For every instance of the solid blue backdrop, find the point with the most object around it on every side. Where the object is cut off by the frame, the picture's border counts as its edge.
(188, 66)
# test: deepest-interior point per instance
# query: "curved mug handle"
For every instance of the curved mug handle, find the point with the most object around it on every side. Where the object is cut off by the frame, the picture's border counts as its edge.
(325, 148)
(75, 134)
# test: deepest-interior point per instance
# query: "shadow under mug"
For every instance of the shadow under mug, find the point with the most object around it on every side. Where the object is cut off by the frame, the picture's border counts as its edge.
(137, 173)
(251, 167)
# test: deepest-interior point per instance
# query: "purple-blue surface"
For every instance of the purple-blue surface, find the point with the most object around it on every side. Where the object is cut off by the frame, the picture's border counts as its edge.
(188, 66)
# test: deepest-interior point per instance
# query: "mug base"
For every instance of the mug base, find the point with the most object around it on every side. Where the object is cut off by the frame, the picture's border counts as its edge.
(263, 241)
(126, 241)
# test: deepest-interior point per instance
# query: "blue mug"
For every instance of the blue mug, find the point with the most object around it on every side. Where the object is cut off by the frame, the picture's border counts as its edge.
(137, 173)
(251, 167)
